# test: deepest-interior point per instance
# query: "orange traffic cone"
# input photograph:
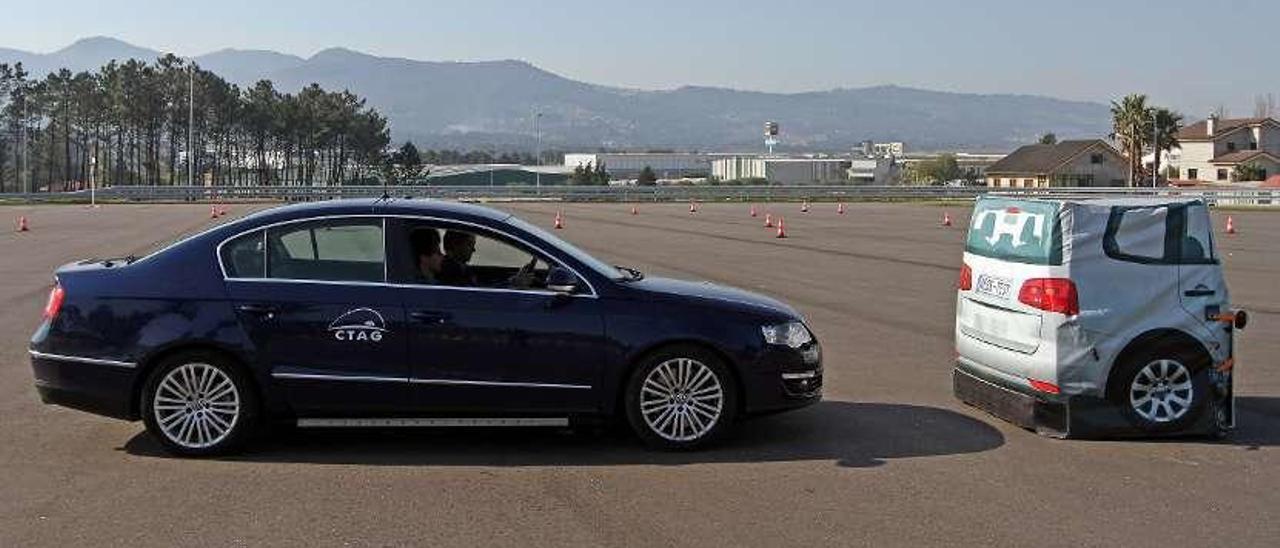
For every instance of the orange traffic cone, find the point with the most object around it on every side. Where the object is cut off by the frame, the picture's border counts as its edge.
(22, 224)
(946, 219)
(753, 211)
(634, 211)
(559, 221)
(693, 207)
(804, 208)
(222, 210)
(213, 212)
(768, 220)
(782, 231)
(840, 208)
(1231, 225)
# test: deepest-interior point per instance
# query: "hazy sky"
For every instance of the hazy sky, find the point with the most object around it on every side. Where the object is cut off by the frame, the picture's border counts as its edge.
(1191, 55)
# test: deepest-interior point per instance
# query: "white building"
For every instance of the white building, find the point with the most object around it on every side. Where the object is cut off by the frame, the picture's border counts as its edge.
(788, 171)
(1212, 149)
(627, 165)
(880, 171)
(893, 149)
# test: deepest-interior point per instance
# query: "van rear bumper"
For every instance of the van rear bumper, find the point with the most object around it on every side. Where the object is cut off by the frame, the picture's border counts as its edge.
(1041, 413)
(1056, 415)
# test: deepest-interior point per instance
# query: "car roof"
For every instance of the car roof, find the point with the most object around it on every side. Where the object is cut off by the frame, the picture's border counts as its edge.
(380, 206)
(1105, 201)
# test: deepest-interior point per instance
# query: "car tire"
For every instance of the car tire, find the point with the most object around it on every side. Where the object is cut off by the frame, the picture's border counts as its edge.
(680, 398)
(1163, 390)
(199, 404)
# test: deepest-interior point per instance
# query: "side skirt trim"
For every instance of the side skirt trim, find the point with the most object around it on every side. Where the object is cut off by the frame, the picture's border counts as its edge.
(454, 382)
(80, 359)
(435, 423)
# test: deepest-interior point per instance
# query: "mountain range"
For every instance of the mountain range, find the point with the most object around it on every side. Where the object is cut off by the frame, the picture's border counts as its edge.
(493, 104)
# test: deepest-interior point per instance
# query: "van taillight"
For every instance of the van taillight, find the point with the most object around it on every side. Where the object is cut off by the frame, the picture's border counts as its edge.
(56, 295)
(1051, 295)
(966, 278)
(1046, 387)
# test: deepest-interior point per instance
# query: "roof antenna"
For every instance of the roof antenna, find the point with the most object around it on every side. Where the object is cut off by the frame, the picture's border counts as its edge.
(386, 193)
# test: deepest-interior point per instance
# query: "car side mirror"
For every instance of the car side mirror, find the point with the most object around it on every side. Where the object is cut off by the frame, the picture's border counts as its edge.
(562, 281)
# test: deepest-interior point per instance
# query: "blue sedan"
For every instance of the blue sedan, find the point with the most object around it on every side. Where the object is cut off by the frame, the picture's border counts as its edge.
(403, 312)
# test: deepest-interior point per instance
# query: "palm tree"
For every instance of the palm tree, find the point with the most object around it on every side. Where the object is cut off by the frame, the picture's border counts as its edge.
(1168, 124)
(1131, 129)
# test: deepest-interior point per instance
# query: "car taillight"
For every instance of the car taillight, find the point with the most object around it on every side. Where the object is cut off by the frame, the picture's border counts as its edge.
(1051, 295)
(966, 278)
(56, 296)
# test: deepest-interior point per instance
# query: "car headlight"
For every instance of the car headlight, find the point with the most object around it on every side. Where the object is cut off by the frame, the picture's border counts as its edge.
(791, 334)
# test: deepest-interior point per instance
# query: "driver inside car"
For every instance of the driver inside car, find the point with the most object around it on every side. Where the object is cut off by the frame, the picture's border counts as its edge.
(454, 266)
(458, 249)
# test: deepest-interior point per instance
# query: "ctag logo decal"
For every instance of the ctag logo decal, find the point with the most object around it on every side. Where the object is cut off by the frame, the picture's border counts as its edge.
(359, 325)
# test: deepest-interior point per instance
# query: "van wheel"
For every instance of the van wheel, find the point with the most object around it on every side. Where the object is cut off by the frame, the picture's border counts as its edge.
(1162, 391)
(199, 404)
(681, 398)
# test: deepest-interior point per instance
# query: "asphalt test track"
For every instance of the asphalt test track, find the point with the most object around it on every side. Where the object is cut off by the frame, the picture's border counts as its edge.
(889, 457)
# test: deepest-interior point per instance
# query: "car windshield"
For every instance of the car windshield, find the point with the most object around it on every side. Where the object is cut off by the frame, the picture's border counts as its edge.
(1016, 230)
(603, 268)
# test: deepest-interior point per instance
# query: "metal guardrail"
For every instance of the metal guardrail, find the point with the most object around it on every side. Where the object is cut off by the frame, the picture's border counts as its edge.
(1217, 196)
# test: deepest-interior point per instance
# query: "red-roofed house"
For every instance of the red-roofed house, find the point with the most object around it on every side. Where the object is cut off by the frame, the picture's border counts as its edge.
(1213, 148)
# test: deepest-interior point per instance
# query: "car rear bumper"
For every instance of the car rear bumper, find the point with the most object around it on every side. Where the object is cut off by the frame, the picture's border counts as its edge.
(1059, 416)
(102, 387)
(1010, 402)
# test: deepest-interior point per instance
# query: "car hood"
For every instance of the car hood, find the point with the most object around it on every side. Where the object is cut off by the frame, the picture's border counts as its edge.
(713, 295)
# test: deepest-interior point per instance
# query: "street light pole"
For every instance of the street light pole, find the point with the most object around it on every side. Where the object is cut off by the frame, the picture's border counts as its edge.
(1155, 146)
(191, 118)
(26, 137)
(93, 187)
(537, 162)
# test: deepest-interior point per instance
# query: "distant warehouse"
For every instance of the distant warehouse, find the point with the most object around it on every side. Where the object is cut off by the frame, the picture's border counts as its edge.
(787, 171)
(627, 165)
(1069, 163)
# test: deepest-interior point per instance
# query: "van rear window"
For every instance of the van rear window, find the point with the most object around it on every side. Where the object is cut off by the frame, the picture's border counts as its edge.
(1015, 230)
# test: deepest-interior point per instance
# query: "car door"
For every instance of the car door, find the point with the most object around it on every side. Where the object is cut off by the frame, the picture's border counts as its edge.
(482, 347)
(312, 298)
(1203, 290)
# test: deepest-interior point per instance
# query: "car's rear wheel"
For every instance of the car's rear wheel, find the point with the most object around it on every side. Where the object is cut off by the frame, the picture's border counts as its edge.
(198, 404)
(680, 398)
(1163, 391)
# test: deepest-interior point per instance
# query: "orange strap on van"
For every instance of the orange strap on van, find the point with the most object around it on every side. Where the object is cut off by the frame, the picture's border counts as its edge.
(1226, 317)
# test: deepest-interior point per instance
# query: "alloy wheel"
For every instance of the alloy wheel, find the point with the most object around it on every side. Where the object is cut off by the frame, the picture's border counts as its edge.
(681, 399)
(1162, 392)
(196, 405)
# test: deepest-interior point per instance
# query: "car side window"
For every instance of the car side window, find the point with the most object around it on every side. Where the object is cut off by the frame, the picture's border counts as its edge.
(1197, 237)
(441, 254)
(1139, 234)
(245, 256)
(330, 250)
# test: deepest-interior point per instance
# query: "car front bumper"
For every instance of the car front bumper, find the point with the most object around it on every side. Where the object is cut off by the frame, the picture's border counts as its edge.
(784, 379)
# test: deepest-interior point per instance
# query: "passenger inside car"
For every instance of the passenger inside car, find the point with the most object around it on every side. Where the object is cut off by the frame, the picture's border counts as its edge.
(426, 247)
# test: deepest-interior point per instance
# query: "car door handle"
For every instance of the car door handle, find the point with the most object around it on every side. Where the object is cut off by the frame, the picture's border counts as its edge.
(429, 316)
(1199, 292)
(258, 309)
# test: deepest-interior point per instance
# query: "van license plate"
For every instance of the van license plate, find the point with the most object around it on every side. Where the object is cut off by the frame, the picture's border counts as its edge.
(993, 285)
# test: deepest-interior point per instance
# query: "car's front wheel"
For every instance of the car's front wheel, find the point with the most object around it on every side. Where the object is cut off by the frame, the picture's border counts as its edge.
(199, 404)
(680, 398)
